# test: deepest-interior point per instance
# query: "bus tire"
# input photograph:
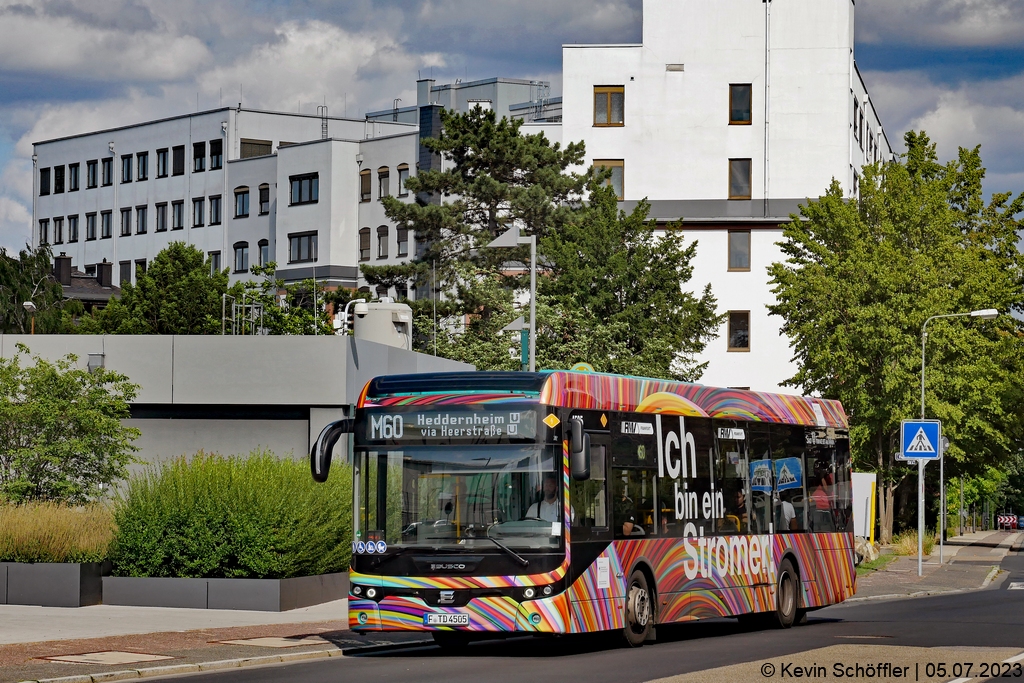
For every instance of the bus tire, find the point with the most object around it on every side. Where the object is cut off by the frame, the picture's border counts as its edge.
(450, 641)
(786, 598)
(639, 613)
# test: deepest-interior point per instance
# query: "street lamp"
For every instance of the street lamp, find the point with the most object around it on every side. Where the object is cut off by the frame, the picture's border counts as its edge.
(984, 314)
(510, 239)
(30, 308)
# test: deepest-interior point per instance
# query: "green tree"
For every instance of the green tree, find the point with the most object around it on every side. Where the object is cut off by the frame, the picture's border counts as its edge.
(61, 432)
(862, 276)
(494, 178)
(180, 293)
(612, 279)
(297, 308)
(29, 277)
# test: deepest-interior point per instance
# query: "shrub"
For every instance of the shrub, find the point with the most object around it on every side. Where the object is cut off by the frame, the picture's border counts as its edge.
(212, 516)
(906, 543)
(50, 532)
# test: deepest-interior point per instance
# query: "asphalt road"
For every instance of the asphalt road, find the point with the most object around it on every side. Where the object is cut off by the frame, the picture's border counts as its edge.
(993, 617)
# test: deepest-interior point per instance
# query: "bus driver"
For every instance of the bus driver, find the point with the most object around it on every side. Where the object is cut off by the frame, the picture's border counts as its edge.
(548, 508)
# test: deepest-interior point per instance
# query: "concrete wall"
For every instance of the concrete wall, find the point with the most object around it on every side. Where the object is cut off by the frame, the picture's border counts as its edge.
(233, 394)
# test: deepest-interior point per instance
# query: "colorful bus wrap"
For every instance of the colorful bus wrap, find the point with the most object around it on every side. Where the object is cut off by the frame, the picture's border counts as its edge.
(573, 502)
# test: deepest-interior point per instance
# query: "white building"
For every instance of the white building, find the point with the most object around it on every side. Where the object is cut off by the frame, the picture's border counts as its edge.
(727, 116)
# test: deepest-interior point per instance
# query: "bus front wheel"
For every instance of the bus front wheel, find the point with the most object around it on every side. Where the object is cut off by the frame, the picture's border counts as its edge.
(786, 596)
(639, 614)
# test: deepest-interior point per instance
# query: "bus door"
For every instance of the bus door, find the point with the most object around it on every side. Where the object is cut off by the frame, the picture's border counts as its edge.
(634, 459)
(732, 474)
(762, 504)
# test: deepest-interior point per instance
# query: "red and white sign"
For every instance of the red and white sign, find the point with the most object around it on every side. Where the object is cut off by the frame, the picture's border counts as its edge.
(1008, 521)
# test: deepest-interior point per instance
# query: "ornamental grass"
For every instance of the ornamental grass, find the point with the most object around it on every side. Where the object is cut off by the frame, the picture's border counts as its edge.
(214, 516)
(51, 532)
(906, 543)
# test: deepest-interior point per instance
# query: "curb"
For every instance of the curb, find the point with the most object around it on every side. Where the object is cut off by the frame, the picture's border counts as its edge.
(174, 669)
(993, 573)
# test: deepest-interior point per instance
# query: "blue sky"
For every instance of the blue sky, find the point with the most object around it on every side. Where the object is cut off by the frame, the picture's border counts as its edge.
(952, 67)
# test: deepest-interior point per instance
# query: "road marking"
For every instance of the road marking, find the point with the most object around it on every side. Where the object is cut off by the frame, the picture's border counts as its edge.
(961, 680)
(1016, 586)
(1016, 658)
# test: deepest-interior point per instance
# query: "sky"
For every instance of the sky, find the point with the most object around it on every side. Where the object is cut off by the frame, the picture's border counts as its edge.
(954, 68)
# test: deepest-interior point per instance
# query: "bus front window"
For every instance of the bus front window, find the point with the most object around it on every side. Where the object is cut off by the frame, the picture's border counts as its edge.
(457, 496)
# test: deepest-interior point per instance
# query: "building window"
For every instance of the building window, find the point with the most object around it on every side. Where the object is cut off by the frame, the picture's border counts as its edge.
(161, 217)
(178, 160)
(126, 222)
(616, 179)
(364, 186)
(739, 178)
(739, 250)
(862, 128)
(44, 231)
(161, 163)
(264, 246)
(72, 228)
(91, 178)
(739, 104)
(215, 210)
(58, 180)
(856, 115)
(126, 168)
(364, 244)
(609, 105)
(241, 202)
(382, 241)
(255, 148)
(198, 157)
(141, 216)
(242, 257)
(73, 177)
(401, 292)
(381, 291)
(142, 166)
(140, 268)
(44, 182)
(214, 262)
(739, 330)
(125, 268)
(264, 199)
(305, 188)
(177, 215)
(302, 247)
(403, 176)
(106, 224)
(216, 154)
(198, 212)
(90, 226)
(383, 182)
(108, 172)
(58, 230)
(403, 242)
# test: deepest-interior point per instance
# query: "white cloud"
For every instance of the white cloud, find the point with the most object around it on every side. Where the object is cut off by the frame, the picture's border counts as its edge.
(943, 23)
(15, 224)
(66, 47)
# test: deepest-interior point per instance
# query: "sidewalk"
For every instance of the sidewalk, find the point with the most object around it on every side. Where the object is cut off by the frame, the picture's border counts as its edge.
(969, 562)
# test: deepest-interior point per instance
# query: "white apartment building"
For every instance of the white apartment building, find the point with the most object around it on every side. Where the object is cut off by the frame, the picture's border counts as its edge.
(727, 116)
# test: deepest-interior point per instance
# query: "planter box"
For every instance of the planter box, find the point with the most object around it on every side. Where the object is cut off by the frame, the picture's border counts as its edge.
(52, 584)
(265, 595)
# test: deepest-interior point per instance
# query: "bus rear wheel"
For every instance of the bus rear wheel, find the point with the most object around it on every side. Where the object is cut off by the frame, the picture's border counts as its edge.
(786, 596)
(639, 614)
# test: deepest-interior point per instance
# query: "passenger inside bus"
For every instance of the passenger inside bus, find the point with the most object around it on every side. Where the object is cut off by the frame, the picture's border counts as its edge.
(625, 512)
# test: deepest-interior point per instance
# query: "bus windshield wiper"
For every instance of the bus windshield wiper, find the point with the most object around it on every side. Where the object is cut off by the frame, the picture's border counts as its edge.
(512, 553)
(384, 560)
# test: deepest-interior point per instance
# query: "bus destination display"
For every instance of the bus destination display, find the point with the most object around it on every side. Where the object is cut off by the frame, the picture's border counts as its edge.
(456, 424)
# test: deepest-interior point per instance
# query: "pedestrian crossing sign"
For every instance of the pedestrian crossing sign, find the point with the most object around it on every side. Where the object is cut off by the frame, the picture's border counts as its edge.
(921, 440)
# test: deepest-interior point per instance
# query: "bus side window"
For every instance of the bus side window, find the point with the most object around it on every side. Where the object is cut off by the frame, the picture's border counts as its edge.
(843, 487)
(588, 498)
(760, 467)
(731, 473)
(790, 478)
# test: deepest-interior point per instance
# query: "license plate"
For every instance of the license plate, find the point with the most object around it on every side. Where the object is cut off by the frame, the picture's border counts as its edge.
(445, 619)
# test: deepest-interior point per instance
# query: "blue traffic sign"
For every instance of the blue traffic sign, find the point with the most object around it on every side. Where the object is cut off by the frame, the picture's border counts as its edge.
(921, 440)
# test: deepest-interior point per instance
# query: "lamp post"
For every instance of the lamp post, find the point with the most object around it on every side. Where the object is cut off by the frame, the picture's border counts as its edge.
(30, 308)
(984, 314)
(510, 239)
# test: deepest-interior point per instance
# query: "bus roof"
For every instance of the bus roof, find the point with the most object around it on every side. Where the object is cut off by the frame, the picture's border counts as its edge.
(600, 391)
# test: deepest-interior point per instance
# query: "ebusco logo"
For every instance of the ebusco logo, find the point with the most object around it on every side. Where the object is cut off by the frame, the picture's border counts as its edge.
(369, 547)
(387, 427)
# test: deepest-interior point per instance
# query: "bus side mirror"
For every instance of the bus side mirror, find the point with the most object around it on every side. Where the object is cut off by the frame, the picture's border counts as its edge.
(320, 454)
(579, 451)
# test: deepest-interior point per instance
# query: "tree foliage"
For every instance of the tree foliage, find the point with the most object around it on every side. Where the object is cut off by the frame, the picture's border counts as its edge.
(29, 277)
(860, 279)
(180, 293)
(297, 308)
(61, 435)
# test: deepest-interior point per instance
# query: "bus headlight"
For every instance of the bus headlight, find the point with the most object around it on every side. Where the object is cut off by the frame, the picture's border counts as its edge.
(357, 590)
(547, 590)
(371, 593)
(529, 593)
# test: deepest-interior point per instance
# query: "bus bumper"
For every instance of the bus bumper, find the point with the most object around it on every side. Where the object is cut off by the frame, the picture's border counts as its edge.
(496, 614)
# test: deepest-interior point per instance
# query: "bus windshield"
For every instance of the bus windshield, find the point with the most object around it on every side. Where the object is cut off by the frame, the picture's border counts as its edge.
(459, 496)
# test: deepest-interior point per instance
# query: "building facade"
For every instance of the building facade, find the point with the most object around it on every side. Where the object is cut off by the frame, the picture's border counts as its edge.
(726, 117)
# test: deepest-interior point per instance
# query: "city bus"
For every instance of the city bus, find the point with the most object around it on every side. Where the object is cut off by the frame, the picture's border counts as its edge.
(575, 502)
